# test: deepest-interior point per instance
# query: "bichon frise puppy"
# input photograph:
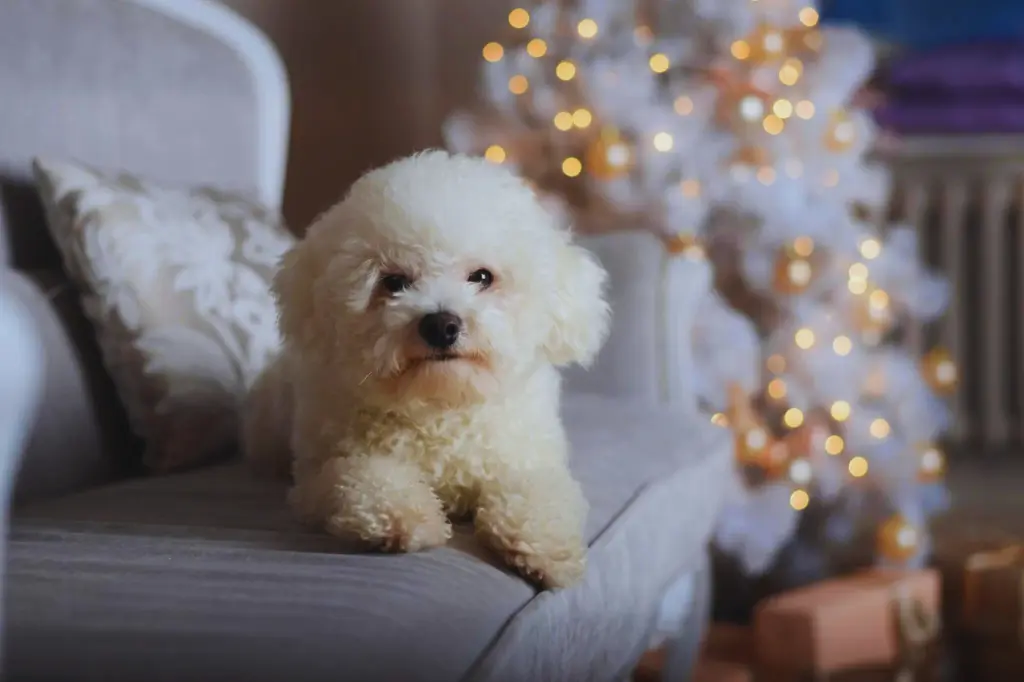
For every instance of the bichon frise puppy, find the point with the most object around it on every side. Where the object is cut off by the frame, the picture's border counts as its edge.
(423, 319)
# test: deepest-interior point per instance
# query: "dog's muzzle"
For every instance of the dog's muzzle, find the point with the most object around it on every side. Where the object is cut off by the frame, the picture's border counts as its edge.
(440, 330)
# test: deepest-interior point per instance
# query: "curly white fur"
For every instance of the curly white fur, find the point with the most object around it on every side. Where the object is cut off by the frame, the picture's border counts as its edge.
(388, 440)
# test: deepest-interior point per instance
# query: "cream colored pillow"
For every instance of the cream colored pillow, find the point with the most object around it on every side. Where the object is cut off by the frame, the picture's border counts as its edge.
(176, 283)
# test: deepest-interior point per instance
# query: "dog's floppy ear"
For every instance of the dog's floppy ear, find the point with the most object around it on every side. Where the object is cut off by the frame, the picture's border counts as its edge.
(579, 313)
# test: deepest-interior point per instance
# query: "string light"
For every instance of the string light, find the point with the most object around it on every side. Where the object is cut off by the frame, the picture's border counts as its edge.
(840, 410)
(878, 300)
(842, 345)
(803, 246)
(857, 286)
(719, 419)
(565, 70)
(777, 388)
(776, 364)
(783, 108)
(773, 42)
(799, 500)
(563, 120)
(493, 52)
(791, 71)
(766, 176)
(880, 429)
(683, 105)
(751, 108)
(932, 464)
(804, 338)
(834, 445)
(643, 35)
(659, 63)
(536, 48)
(870, 248)
(518, 84)
(793, 418)
(740, 50)
(858, 467)
(800, 471)
(809, 17)
(773, 125)
(572, 167)
(805, 109)
(587, 28)
(663, 142)
(858, 271)
(519, 18)
(582, 118)
(495, 154)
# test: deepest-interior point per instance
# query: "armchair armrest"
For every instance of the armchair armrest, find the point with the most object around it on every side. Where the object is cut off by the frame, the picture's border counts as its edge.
(21, 381)
(655, 296)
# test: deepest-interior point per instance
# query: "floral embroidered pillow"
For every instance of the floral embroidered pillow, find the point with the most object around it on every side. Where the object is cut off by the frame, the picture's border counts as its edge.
(176, 283)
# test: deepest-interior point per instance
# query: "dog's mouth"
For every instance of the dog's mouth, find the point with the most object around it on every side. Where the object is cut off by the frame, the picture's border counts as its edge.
(441, 357)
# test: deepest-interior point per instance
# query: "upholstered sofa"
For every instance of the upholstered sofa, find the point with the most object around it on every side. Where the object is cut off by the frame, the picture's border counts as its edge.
(115, 574)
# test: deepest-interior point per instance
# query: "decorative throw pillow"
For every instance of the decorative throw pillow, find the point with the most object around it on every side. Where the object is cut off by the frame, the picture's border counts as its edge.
(177, 285)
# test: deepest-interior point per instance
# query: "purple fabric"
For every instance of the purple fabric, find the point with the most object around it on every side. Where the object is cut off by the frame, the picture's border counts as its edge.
(966, 68)
(976, 118)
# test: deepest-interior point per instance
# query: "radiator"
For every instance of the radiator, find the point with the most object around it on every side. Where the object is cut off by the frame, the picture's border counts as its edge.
(964, 196)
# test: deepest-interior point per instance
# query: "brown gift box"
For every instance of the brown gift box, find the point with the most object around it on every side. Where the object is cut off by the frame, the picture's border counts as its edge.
(994, 593)
(707, 669)
(846, 623)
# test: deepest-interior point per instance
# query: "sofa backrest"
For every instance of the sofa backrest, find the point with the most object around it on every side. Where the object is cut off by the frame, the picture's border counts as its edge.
(180, 92)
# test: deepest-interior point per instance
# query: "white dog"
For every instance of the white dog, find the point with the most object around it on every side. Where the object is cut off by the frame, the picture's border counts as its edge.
(423, 318)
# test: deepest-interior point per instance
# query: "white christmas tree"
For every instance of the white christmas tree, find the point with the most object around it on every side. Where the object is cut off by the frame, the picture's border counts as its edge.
(729, 128)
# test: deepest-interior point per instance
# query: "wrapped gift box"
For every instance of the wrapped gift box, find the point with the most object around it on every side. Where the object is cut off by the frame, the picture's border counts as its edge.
(994, 592)
(848, 623)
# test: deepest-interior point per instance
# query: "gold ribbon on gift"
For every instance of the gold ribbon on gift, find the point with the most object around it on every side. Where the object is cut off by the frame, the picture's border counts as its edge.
(1005, 558)
(917, 626)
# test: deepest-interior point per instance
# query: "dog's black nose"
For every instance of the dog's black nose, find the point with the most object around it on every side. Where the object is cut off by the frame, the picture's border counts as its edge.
(440, 330)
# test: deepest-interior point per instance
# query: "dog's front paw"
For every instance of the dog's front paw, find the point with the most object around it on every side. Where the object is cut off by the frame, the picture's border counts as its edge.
(551, 570)
(395, 532)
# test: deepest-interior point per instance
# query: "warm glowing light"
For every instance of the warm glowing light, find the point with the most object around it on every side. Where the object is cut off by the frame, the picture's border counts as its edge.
(842, 345)
(858, 467)
(799, 500)
(690, 188)
(840, 410)
(804, 338)
(493, 52)
(791, 71)
(565, 70)
(773, 42)
(857, 286)
(756, 439)
(805, 109)
(751, 108)
(858, 271)
(800, 471)
(880, 429)
(870, 248)
(740, 49)
(776, 364)
(563, 120)
(519, 18)
(793, 418)
(663, 142)
(834, 445)
(777, 388)
(643, 35)
(719, 419)
(803, 246)
(495, 154)
(683, 105)
(572, 167)
(659, 63)
(536, 48)
(809, 17)
(783, 108)
(773, 125)
(933, 463)
(518, 84)
(582, 118)
(766, 176)
(587, 28)
(878, 300)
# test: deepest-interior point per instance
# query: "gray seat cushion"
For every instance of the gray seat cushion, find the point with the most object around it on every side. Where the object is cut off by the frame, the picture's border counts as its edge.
(204, 576)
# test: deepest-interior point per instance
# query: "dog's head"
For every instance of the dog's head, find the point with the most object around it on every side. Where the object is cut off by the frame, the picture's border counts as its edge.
(440, 278)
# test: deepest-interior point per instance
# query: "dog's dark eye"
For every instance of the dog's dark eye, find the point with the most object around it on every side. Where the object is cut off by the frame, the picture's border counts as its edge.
(482, 278)
(394, 284)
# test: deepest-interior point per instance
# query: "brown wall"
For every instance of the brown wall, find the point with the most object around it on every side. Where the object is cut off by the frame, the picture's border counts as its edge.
(371, 80)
